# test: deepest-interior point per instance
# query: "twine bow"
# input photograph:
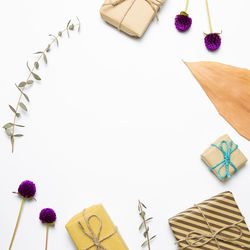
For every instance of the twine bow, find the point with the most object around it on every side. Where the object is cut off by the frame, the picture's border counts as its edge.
(197, 239)
(95, 237)
(154, 4)
(226, 161)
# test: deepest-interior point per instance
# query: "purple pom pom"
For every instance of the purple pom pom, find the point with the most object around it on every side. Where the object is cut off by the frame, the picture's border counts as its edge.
(27, 189)
(183, 21)
(212, 41)
(47, 215)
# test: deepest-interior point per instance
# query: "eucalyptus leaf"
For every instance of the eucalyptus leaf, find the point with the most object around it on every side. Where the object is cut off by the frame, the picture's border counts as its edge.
(18, 135)
(71, 27)
(21, 84)
(8, 132)
(67, 28)
(142, 214)
(27, 64)
(25, 96)
(18, 125)
(45, 58)
(30, 82)
(22, 105)
(37, 77)
(152, 237)
(12, 109)
(18, 114)
(140, 227)
(144, 244)
(57, 42)
(39, 52)
(7, 125)
(149, 219)
(36, 64)
(79, 24)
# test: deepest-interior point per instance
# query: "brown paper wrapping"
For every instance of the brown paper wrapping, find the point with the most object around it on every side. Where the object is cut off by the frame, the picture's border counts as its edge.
(131, 16)
(212, 156)
(82, 241)
(219, 211)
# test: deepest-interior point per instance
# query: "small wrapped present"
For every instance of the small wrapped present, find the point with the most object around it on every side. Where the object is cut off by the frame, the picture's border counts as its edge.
(224, 158)
(215, 224)
(93, 229)
(131, 16)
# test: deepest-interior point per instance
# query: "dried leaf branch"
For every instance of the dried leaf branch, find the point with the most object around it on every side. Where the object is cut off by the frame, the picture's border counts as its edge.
(11, 126)
(145, 221)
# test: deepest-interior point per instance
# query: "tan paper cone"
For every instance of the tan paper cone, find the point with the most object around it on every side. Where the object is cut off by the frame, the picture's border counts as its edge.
(228, 87)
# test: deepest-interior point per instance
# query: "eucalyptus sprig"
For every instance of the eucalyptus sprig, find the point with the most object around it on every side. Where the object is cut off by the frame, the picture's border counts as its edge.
(144, 225)
(32, 77)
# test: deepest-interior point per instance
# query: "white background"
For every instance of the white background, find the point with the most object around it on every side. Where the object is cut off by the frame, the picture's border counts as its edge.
(114, 119)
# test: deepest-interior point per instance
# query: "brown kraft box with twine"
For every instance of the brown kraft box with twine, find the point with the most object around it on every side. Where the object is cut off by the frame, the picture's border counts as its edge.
(130, 16)
(226, 153)
(215, 224)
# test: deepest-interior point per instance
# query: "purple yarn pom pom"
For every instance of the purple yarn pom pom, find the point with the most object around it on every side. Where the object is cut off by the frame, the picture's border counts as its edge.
(47, 215)
(212, 41)
(183, 21)
(27, 189)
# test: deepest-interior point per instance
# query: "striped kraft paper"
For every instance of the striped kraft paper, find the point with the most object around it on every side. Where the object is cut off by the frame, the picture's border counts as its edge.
(219, 212)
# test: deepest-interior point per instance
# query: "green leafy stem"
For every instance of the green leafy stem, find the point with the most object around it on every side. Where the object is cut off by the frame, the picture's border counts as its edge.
(11, 126)
(144, 225)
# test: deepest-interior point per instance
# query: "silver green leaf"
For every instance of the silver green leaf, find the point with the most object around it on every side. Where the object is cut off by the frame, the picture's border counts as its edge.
(37, 77)
(8, 132)
(18, 135)
(22, 105)
(79, 24)
(12, 109)
(36, 64)
(57, 42)
(7, 125)
(21, 84)
(45, 58)
(30, 82)
(67, 28)
(25, 96)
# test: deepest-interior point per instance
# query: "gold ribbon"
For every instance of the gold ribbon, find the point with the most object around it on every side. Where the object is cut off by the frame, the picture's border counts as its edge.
(95, 237)
(198, 239)
(154, 4)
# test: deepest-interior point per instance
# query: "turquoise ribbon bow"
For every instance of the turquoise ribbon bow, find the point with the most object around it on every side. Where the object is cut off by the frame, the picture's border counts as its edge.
(226, 161)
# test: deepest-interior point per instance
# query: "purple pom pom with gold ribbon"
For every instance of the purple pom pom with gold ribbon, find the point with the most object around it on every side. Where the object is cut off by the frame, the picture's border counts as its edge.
(212, 41)
(183, 22)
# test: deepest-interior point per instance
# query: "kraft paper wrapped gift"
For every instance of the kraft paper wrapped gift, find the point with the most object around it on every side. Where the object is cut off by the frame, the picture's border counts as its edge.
(224, 158)
(130, 16)
(93, 229)
(215, 224)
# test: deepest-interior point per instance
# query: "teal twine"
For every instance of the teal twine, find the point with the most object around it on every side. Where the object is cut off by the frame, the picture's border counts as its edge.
(226, 162)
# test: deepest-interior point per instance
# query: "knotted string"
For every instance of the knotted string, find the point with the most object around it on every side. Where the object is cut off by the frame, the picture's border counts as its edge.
(197, 239)
(152, 4)
(95, 237)
(226, 161)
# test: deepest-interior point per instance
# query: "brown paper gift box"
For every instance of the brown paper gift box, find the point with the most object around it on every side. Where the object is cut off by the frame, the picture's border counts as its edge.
(213, 156)
(100, 224)
(219, 212)
(131, 16)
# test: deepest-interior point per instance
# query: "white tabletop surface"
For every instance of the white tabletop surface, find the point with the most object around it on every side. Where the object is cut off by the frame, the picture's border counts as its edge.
(114, 119)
